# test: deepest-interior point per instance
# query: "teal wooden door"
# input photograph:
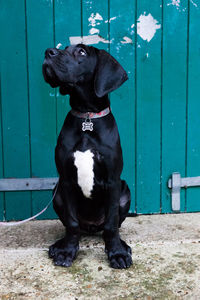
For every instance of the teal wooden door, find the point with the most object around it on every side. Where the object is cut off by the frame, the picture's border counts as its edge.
(157, 109)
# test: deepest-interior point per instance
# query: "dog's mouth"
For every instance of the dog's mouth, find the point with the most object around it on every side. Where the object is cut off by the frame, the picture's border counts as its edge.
(51, 77)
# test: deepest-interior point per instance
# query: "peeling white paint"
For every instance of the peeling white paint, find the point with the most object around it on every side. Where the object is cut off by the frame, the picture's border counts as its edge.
(147, 26)
(175, 3)
(94, 30)
(193, 3)
(127, 40)
(93, 19)
(59, 45)
(89, 3)
(111, 19)
(133, 25)
(118, 47)
(87, 39)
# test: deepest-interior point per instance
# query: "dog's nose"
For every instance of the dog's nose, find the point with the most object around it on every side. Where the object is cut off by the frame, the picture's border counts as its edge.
(51, 52)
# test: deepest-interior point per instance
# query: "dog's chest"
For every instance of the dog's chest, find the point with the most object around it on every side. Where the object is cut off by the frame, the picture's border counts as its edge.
(84, 162)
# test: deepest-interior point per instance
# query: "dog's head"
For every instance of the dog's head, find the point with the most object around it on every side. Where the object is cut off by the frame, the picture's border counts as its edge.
(80, 64)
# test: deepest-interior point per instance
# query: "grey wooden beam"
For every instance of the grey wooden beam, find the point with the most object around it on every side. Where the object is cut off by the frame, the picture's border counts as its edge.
(27, 184)
(187, 181)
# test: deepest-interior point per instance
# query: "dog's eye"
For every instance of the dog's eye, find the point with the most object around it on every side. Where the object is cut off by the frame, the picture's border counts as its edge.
(82, 52)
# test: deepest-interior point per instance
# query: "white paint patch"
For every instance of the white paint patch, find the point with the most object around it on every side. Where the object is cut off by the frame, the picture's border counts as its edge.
(175, 3)
(127, 40)
(94, 30)
(111, 19)
(87, 40)
(147, 26)
(84, 163)
(58, 46)
(193, 3)
(133, 25)
(93, 19)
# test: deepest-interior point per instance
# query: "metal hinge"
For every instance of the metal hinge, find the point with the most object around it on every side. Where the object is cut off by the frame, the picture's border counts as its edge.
(176, 183)
(27, 184)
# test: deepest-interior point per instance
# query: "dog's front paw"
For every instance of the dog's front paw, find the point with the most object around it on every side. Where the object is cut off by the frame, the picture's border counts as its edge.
(120, 257)
(62, 253)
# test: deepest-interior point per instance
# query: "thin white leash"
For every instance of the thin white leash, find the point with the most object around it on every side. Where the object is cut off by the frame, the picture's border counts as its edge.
(31, 218)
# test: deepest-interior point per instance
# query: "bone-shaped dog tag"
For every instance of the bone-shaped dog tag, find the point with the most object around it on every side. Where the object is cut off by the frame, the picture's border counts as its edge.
(87, 125)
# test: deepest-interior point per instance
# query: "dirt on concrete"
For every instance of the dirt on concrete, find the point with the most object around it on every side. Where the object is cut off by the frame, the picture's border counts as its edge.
(166, 262)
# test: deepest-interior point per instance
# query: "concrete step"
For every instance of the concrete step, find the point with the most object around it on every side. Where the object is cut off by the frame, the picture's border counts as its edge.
(166, 260)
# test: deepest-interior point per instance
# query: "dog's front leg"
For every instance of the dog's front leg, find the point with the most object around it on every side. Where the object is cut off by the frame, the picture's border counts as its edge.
(64, 251)
(119, 253)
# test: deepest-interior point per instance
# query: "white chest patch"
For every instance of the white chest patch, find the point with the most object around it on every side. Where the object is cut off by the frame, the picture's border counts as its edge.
(84, 163)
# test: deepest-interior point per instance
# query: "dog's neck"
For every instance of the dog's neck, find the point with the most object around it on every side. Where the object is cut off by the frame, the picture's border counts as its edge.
(84, 99)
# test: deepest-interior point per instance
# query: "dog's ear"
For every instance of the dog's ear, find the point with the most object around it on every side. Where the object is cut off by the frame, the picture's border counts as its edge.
(109, 74)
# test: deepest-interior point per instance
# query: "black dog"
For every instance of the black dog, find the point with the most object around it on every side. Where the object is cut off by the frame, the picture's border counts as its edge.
(90, 195)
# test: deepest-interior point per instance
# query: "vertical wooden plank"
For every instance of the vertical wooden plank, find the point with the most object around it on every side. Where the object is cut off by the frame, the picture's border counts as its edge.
(149, 18)
(14, 94)
(174, 96)
(122, 47)
(42, 103)
(193, 119)
(67, 24)
(95, 20)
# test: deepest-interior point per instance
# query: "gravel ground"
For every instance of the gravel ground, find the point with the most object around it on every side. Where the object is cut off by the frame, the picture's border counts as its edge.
(166, 260)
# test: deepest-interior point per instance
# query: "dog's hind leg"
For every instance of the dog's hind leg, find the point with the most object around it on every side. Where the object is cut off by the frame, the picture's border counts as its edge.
(124, 202)
(58, 204)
